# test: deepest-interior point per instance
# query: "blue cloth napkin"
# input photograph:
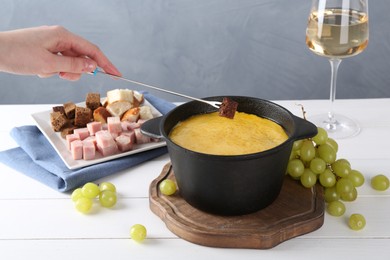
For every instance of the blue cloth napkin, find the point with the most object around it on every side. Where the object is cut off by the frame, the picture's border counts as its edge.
(37, 159)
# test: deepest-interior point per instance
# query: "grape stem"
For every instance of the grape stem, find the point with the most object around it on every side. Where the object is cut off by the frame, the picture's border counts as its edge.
(303, 111)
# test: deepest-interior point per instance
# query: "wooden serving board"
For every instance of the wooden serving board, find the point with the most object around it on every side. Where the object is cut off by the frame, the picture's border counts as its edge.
(295, 212)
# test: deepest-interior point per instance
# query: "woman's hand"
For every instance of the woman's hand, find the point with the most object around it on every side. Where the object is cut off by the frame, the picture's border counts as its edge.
(49, 50)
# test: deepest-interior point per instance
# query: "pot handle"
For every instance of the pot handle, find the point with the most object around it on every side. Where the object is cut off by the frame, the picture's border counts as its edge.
(151, 127)
(304, 128)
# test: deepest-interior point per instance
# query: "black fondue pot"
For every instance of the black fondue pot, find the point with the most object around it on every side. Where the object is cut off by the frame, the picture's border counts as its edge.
(236, 184)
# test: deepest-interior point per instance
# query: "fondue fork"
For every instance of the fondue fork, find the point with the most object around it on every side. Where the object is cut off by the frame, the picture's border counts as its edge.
(215, 104)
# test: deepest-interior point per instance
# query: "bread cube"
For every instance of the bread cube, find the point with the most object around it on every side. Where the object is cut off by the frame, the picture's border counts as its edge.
(58, 121)
(83, 116)
(92, 101)
(70, 110)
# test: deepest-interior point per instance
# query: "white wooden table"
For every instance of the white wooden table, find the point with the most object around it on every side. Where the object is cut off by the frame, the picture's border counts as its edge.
(36, 221)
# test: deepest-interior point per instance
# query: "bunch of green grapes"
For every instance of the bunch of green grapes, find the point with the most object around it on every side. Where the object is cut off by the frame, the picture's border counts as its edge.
(315, 161)
(83, 197)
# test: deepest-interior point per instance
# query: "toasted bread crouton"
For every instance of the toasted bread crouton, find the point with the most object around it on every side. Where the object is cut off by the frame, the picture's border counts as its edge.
(118, 108)
(145, 113)
(116, 95)
(131, 115)
(100, 114)
(228, 108)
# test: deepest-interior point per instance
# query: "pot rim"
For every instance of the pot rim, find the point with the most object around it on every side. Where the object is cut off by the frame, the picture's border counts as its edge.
(292, 137)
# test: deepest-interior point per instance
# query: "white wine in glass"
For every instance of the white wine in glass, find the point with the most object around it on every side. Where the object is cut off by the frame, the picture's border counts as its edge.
(337, 29)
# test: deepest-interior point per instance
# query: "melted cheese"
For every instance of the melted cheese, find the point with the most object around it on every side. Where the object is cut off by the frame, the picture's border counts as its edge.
(213, 134)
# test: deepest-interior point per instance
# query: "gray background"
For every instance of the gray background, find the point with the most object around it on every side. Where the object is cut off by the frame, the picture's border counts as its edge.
(200, 48)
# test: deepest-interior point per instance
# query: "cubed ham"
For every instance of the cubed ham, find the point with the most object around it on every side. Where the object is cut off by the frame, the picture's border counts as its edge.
(124, 143)
(130, 134)
(108, 150)
(106, 144)
(70, 138)
(140, 138)
(104, 138)
(81, 132)
(114, 124)
(94, 127)
(92, 139)
(89, 150)
(114, 135)
(76, 148)
(126, 126)
(131, 125)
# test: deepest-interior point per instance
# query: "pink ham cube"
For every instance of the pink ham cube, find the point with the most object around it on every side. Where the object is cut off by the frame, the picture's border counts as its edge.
(81, 132)
(104, 138)
(130, 134)
(140, 138)
(129, 126)
(124, 143)
(114, 124)
(109, 150)
(91, 139)
(126, 126)
(76, 148)
(114, 135)
(89, 150)
(70, 138)
(106, 144)
(94, 127)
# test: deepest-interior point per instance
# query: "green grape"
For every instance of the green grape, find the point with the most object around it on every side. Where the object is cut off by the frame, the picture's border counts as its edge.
(107, 186)
(342, 160)
(138, 232)
(294, 154)
(317, 165)
(380, 182)
(336, 208)
(297, 145)
(295, 168)
(307, 151)
(327, 153)
(327, 178)
(330, 194)
(331, 142)
(349, 196)
(308, 178)
(107, 198)
(76, 194)
(341, 168)
(90, 190)
(167, 187)
(84, 205)
(344, 185)
(356, 221)
(356, 178)
(321, 136)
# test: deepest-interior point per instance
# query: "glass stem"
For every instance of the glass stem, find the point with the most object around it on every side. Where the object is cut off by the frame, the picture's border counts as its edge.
(334, 66)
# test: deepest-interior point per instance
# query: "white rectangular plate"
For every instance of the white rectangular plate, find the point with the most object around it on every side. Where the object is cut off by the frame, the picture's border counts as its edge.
(42, 120)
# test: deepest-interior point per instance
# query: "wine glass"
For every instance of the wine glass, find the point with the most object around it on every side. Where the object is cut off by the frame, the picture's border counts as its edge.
(337, 29)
